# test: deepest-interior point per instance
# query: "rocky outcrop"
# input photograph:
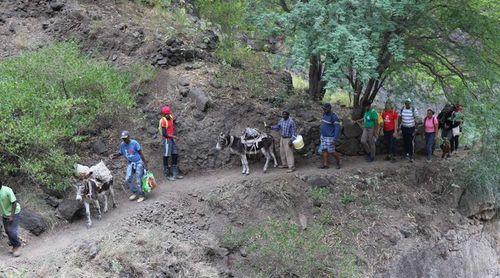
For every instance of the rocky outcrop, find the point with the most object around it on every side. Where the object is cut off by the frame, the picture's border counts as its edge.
(462, 253)
(32, 221)
(479, 201)
(70, 209)
(199, 97)
(174, 52)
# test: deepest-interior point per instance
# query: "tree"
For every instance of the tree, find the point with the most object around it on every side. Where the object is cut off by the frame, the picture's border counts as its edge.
(362, 43)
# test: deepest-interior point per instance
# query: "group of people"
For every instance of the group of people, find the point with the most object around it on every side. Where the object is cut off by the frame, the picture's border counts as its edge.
(330, 129)
(392, 123)
(131, 150)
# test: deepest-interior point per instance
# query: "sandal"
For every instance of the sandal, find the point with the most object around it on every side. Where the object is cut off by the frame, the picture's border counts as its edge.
(323, 167)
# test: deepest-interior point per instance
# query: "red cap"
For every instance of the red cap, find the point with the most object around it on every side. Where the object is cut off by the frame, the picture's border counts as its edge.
(165, 110)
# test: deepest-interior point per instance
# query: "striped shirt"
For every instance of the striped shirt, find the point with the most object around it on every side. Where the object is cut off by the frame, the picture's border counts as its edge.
(408, 117)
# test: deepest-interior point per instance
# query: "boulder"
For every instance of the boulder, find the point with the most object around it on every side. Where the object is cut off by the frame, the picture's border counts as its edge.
(99, 147)
(350, 147)
(56, 5)
(479, 201)
(318, 182)
(71, 209)
(183, 81)
(351, 129)
(200, 98)
(32, 221)
(52, 201)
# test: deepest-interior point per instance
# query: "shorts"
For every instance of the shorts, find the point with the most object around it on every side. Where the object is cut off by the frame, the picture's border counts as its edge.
(327, 144)
(169, 147)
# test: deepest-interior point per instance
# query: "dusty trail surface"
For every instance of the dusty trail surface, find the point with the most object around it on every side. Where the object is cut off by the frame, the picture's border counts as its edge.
(66, 236)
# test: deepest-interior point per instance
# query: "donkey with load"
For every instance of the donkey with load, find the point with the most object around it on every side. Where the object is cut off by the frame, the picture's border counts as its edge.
(95, 182)
(251, 142)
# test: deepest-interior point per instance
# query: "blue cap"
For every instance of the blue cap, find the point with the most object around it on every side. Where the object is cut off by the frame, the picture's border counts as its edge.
(327, 106)
(124, 134)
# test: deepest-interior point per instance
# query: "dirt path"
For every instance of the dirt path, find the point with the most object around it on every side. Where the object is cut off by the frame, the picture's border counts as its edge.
(58, 240)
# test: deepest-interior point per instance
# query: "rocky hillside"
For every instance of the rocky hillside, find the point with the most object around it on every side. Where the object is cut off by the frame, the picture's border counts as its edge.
(377, 220)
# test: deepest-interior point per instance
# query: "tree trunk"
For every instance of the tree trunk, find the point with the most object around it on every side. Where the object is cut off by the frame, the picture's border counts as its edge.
(316, 82)
(369, 94)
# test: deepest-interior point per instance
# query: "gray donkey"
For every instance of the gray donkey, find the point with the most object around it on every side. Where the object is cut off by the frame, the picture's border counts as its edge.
(241, 147)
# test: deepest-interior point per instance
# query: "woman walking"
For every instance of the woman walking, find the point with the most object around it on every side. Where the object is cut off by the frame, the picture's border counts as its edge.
(431, 126)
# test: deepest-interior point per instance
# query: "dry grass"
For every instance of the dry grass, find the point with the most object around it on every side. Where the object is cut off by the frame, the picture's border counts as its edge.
(143, 254)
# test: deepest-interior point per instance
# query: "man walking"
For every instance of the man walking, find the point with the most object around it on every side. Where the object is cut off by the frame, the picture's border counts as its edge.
(132, 152)
(370, 131)
(10, 210)
(390, 122)
(167, 128)
(287, 129)
(408, 128)
(329, 130)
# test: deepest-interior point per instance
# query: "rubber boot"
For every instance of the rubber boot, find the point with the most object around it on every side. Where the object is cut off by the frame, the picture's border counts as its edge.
(175, 173)
(171, 177)
(166, 171)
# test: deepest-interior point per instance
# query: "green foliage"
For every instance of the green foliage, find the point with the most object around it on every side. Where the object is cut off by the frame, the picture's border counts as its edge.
(365, 43)
(347, 198)
(233, 53)
(47, 96)
(229, 15)
(320, 193)
(280, 248)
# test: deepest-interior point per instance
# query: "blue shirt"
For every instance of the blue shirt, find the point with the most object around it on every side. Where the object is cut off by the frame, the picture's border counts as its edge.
(286, 128)
(328, 123)
(131, 151)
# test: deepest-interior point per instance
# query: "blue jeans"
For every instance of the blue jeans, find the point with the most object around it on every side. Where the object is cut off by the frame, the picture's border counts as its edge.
(389, 138)
(429, 143)
(135, 169)
(11, 230)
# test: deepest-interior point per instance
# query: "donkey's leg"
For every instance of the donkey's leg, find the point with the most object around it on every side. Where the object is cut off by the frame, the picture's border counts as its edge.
(105, 202)
(272, 150)
(268, 158)
(247, 169)
(87, 213)
(98, 207)
(112, 194)
(274, 157)
(243, 166)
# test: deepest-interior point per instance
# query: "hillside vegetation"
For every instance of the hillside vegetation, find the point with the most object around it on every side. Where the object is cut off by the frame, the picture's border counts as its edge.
(47, 97)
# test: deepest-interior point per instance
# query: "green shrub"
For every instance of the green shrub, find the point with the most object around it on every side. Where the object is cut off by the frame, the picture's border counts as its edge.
(47, 96)
(320, 193)
(283, 249)
(347, 198)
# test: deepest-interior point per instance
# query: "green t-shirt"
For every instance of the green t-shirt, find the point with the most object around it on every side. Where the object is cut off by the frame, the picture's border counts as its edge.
(7, 197)
(370, 118)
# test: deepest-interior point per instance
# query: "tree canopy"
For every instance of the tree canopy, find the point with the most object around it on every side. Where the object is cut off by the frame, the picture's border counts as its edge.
(362, 43)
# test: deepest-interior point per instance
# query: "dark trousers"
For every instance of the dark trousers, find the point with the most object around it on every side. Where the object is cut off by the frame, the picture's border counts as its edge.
(389, 139)
(408, 139)
(454, 143)
(429, 143)
(11, 229)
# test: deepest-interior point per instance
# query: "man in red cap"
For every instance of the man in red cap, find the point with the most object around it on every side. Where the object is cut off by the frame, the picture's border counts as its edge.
(166, 128)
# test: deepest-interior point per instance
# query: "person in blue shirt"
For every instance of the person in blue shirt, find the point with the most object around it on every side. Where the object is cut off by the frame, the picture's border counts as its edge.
(132, 152)
(287, 129)
(330, 131)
